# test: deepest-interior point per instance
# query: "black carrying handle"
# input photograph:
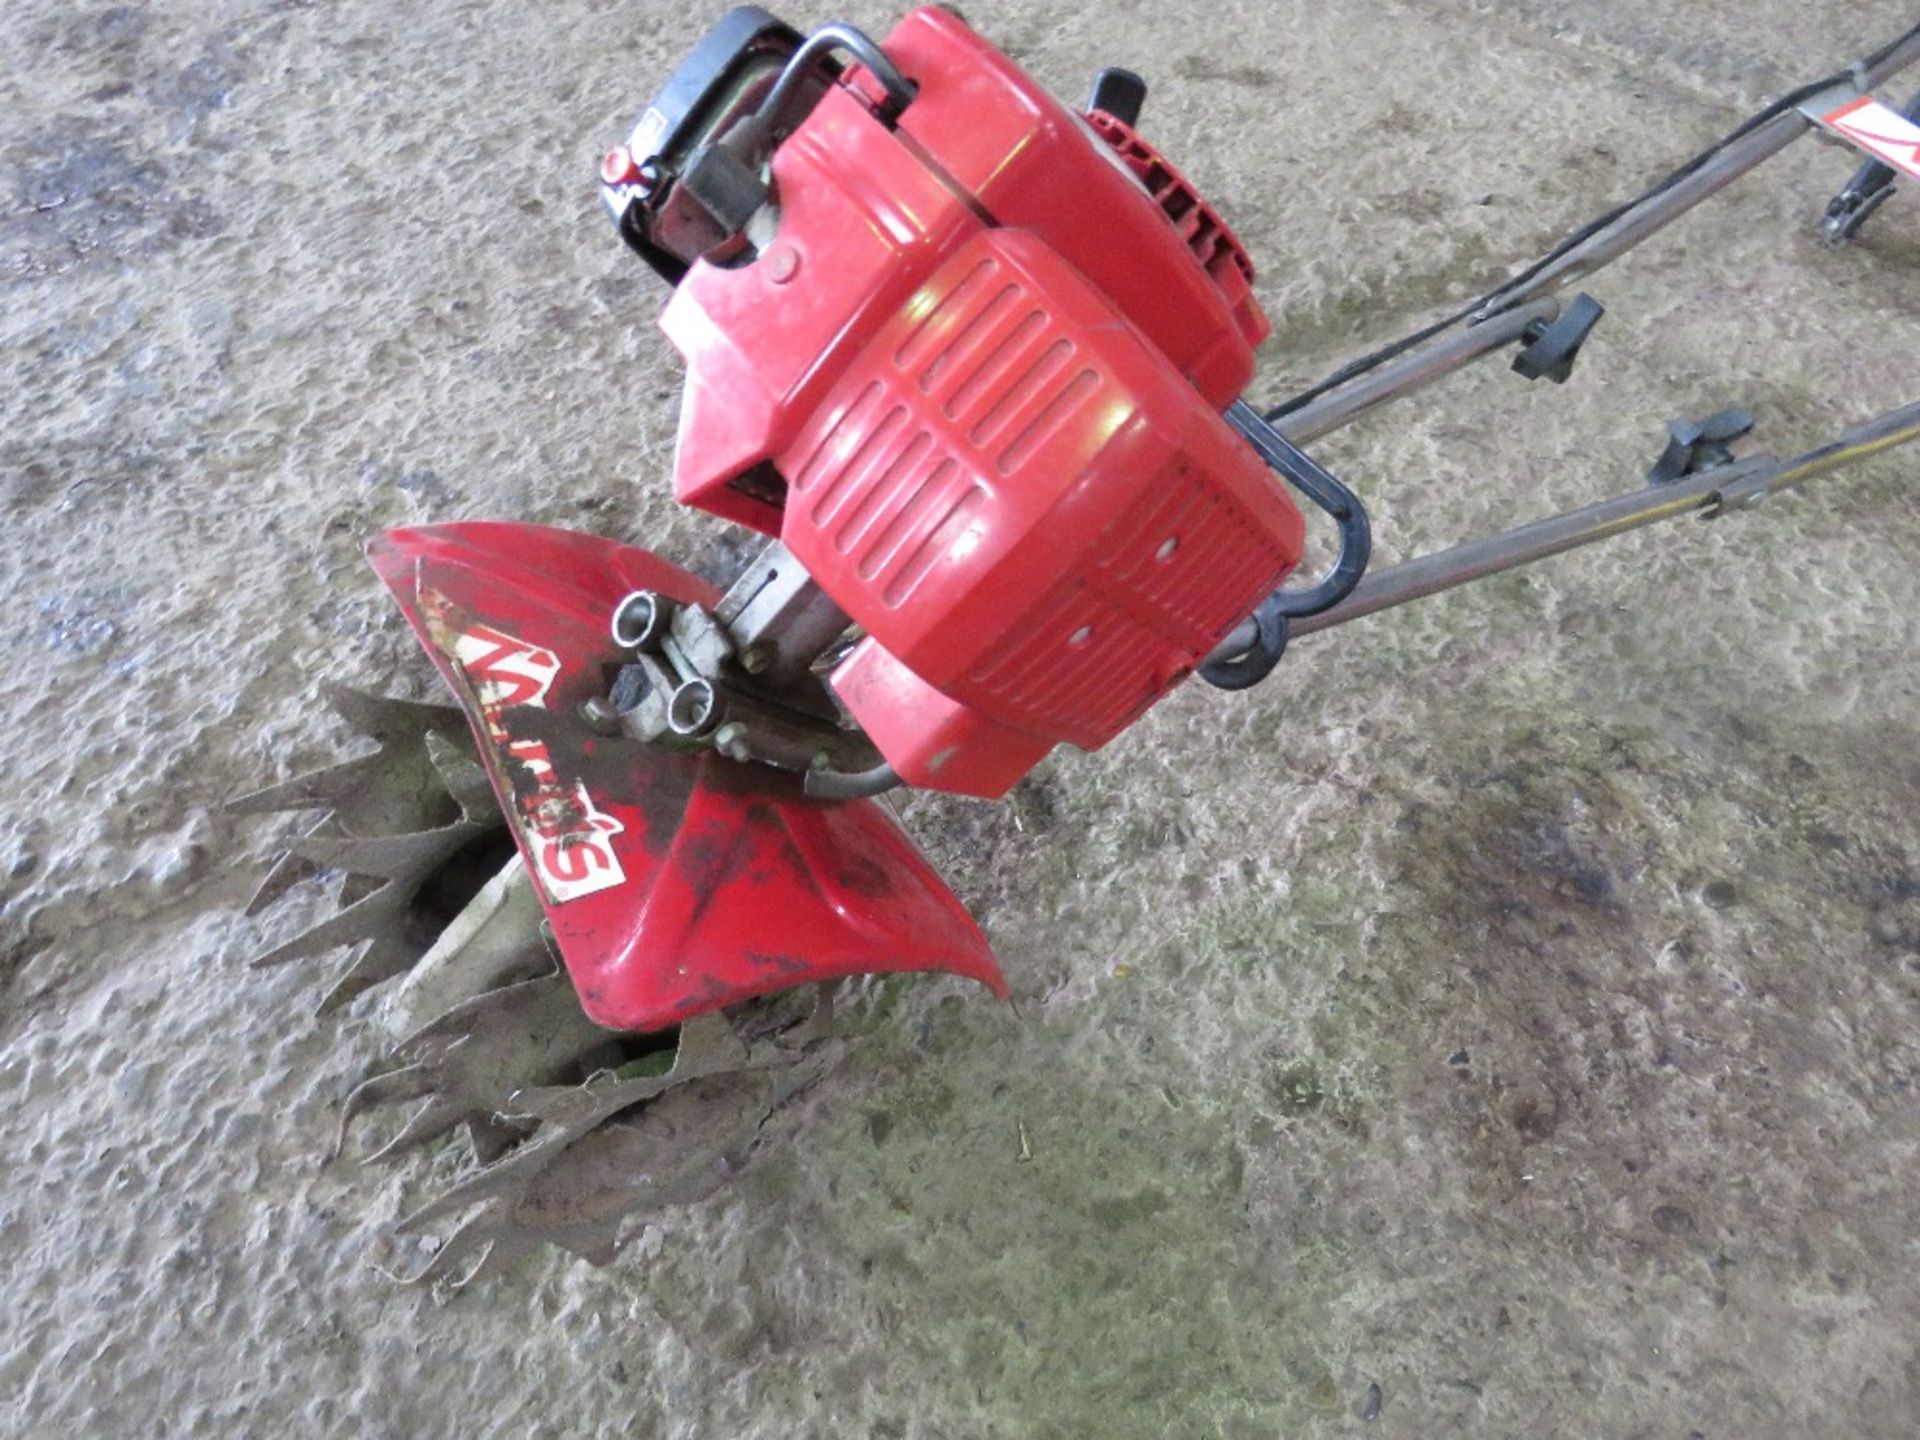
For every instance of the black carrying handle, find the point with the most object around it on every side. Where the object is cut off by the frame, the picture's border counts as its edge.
(1317, 483)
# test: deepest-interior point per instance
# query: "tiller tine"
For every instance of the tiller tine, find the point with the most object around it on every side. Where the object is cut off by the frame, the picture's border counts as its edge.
(674, 883)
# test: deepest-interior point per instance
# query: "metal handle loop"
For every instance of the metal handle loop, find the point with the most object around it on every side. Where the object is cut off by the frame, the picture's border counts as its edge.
(1314, 481)
(773, 116)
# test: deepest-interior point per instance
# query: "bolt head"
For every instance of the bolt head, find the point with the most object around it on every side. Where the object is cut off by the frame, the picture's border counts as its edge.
(731, 741)
(783, 263)
(600, 715)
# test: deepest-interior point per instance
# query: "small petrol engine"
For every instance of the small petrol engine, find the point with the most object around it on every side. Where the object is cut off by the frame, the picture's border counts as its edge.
(968, 356)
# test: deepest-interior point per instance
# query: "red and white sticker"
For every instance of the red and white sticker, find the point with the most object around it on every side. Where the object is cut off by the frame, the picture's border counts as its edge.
(569, 838)
(1884, 134)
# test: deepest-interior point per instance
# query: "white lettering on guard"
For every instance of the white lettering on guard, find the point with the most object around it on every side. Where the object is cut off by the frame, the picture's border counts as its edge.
(568, 837)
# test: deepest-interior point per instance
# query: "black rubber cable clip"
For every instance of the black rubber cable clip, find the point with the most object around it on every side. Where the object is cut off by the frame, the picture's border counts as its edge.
(1256, 662)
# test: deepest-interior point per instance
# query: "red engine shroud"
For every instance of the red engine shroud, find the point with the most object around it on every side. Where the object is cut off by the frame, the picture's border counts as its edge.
(975, 384)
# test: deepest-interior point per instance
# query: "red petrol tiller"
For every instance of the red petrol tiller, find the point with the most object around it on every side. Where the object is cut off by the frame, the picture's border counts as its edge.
(973, 363)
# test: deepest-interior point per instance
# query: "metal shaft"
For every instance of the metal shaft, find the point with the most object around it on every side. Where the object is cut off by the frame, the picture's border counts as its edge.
(1513, 309)
(1661, 210)
(1709, 494)
(1658, 211)
(1895, 60)
(1414, 370)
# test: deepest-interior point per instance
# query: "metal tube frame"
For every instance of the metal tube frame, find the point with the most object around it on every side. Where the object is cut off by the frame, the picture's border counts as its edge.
(1509, 314)
(1710, 494)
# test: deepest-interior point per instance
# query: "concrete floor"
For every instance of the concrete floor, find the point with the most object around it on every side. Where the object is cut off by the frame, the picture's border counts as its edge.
(1512, 1006)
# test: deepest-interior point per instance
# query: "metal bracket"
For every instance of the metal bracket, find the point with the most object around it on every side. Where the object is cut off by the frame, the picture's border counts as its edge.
(737, 677)
(1817, 107)
(1870, 188)
(778, 617)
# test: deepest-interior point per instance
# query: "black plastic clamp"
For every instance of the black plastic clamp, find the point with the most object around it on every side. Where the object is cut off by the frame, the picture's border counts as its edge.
(1343, 507)
(1552, 346)
(1696, 445)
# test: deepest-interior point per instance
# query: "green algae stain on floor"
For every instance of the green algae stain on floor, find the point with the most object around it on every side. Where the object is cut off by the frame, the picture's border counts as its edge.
(1111, 1218)
(1117, 1282)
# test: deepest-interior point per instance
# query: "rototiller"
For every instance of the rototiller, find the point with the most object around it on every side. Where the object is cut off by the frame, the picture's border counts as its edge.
(973, 363)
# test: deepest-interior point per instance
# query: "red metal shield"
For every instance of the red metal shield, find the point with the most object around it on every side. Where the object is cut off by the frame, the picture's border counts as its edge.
(675, 884)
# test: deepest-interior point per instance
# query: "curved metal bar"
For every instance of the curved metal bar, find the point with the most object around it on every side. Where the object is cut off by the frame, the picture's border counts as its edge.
(772, 116)
(1314, 481)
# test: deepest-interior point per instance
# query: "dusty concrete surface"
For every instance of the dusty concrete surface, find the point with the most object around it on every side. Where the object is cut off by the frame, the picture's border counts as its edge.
(1512, 1006)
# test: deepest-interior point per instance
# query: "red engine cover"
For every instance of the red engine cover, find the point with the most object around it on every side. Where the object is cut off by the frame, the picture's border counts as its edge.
(975, 384)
